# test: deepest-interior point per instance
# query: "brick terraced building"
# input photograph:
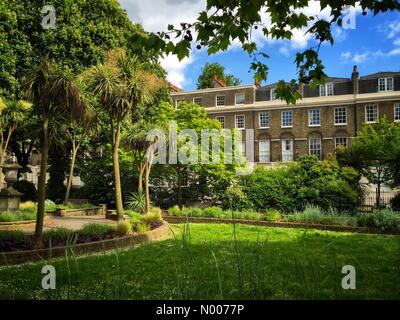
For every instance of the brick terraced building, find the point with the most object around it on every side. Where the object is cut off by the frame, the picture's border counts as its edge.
(326, 117)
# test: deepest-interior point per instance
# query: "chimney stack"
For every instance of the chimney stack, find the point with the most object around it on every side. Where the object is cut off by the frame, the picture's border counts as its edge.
(218, 83)
(354, 79)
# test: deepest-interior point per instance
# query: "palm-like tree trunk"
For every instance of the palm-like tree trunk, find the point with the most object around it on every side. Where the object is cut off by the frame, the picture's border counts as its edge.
(117, 177)
(141, 168)
(42, 182)
(3, 150)
(71, 171)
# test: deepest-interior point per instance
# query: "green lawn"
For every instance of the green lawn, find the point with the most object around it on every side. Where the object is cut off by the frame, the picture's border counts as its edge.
(205, 263)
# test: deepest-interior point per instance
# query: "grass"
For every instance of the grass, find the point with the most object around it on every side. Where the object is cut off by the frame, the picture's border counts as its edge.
(28, 210)
(207, 261)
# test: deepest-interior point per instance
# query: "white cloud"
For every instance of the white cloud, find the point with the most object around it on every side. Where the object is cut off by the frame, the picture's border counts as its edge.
(176, 69)
(360, 58)
(346, 56)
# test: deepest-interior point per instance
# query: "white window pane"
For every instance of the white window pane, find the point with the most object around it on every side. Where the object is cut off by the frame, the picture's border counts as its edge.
(397, 112)
(287, 118)
(198, 101)
(264, 151)
(264, 119)
(314, 117)
(240, 98)
(341, 141)
(240, 122)
(315, 147)
(273, 96)
(341, 115)
(371, 114)
(287, 150)
(220, 101)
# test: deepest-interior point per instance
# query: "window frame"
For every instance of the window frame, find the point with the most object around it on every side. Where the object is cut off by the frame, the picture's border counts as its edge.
(366, 113)
(218, 119)
(385, 84)
(244, 121)
(340, 144)
(201, 98)
(272, 94)
(395, 106)
(282, 122)
(216, 100)
(244, 99)
(267, 153)
(259, 120)
(320, 147)
(310, 118)
(334, 116)
(326, 91)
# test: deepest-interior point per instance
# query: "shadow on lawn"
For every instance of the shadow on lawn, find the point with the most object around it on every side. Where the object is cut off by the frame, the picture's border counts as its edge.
(206, 262)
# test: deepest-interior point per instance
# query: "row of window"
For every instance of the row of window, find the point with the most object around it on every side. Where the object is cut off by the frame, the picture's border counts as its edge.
(314, 148)
(240, 99)
(384, 84)
(314, 117)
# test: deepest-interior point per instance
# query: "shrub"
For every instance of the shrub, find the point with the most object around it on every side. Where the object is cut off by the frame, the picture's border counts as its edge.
(49, 205)
(192, 212)
(96, 229)
(141, 227)
(294, 187)
(272, 215)
(174, 211)
(28, 190)
(213, 212)
(12, 235)
(18, 216)
(314, 215)
(396, 202)
(124, 228)
(57, 234)
(385, 220)
(235, 199)
(152, 216)
(28, 205)
(251, 215)
(137, 201)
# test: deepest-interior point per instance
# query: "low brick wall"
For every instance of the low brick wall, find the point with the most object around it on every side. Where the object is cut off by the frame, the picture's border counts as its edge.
(95, 211)
(172, 219)
(18, 257)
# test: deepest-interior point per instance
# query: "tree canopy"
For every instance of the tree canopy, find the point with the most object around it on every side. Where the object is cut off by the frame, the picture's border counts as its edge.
(85, 29)
(210, 70)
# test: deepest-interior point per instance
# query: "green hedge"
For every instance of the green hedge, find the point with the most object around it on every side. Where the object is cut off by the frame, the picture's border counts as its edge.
(294, 187)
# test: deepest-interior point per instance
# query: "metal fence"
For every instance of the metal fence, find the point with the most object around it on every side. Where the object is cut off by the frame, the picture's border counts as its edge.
(370, 201)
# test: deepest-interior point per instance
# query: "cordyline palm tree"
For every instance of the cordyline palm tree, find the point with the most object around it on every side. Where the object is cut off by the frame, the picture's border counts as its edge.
(79, 130)
(52, 91)
(12, 113)
(121, 83)
(144, 150)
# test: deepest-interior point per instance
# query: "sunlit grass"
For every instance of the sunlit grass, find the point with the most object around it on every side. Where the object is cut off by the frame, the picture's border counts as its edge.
(204, 262)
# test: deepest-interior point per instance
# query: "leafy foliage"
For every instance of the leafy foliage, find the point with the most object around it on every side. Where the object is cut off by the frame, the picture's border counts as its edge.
(209, 71)
(307, 182)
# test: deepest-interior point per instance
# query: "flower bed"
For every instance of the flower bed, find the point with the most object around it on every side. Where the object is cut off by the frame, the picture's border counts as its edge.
(117, 242)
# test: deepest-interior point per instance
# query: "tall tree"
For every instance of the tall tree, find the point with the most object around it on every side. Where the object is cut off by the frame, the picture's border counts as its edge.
(79, 132)
(11, 114)
(121, 83)
(373, 153)
(136, 139)
(211, 70)
(52, 91)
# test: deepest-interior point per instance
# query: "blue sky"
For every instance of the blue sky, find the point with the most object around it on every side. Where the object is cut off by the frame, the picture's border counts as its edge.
(374, 44)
